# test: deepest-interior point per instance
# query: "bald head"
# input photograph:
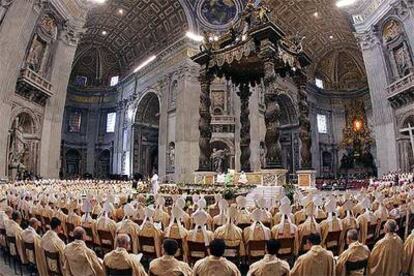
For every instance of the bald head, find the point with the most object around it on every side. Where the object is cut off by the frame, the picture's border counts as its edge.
(79, 233)
(391, 226)
(34, 223)
(352, 236)
(123, 241)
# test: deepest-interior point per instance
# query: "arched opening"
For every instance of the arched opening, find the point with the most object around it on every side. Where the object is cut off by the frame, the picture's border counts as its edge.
(73, 159)
(146, 129)
(405, 149)
(288, 133)
(103, 164)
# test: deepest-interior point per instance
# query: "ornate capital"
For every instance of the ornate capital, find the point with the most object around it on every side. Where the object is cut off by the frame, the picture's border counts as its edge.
(402, 8)
(367, 40)
(71, 34)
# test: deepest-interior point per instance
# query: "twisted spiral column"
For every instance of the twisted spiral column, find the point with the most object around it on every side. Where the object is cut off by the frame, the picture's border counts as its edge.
(244, 94)
(204, 125)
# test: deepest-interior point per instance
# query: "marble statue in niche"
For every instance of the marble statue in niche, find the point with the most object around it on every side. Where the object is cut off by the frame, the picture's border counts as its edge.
(218, 157)
(403, 60)
(39, 51)
(171, 156)
(18, 149)
(391, 30)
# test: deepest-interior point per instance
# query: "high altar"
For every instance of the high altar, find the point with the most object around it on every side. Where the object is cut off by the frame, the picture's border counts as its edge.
(255, 51)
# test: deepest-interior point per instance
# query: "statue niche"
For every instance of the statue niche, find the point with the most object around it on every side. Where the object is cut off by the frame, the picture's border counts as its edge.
(22, 147)
(397, 49)
(40, 50)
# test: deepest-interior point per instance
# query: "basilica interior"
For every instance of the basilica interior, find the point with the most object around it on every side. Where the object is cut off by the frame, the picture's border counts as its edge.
(117, 89)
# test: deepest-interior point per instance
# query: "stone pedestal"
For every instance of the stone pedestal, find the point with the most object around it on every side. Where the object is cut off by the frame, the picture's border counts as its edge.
(204, 177)
(274, 177)
(306, 178)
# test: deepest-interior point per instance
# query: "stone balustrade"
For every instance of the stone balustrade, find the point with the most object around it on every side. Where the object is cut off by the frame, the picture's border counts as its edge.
(401, 92)
(33, 86)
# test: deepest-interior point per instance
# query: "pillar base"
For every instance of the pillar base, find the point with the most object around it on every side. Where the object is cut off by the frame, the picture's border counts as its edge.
(274, 177)
(306, 178)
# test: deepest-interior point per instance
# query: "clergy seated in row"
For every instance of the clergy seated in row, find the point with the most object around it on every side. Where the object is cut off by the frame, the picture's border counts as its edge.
(331, 228)
(14, 230)
(267, 218)
(270, 265)
(256, 234)
(168, 265)
(286, 229)
(30, 236)
(243, 215)
(78, 259)
(408, 266)
(386, 256)
(199, 235)
(152, 231)
(88, 223)
(367, 222)
(120, 259)
(232, 236)
(310, 226)
(185, 219)
(53, 244)
(127, 226)
(354, 260)
(201, 206)
(317, 261)
(176, 231)
(216, 264)
(106, 224)
(221, 218)
(160, 215)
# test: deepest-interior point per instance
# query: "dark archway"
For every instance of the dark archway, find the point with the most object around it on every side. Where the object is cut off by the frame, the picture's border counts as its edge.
(73, 159)
(103, 165)
(146, 130)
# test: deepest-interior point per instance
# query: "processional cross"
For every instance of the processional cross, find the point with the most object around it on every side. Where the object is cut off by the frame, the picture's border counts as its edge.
(410, 132)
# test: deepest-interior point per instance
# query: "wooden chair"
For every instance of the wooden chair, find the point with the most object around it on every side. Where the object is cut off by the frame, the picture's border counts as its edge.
(69, 229)
(332, 242)
(255, 246)
(371, 235)
(196, 251)
(287, 248)
(3, 245)
(232, 254)
(53, 257)
(29, 248)
(302, 248)
(147, 246)
(118, 272)
(243, 225)
(106, 241)
(180, 252)
(356, 266)
(90, 241)
(11, 244)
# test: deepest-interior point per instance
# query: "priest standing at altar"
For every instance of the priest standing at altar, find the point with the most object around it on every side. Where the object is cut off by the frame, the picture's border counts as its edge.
(155, 183)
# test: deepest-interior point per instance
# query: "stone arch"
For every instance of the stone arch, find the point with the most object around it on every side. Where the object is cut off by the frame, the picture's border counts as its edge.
(225, 144)
(73, 158)
(145, 134)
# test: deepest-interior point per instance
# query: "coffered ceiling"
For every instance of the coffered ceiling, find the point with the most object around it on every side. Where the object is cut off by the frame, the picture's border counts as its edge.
(132, 30)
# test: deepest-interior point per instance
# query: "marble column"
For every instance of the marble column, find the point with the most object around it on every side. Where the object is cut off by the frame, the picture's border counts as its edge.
(15, 34)
(383, 115)
(244, 94)
(52, 123)
(205, 121)
(272, 121)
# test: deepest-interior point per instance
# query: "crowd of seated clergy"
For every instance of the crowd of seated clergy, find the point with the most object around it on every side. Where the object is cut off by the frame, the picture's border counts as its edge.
(95, 231)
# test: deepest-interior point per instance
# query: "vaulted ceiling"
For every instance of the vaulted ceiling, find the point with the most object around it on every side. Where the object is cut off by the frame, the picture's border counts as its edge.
(132, 30)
